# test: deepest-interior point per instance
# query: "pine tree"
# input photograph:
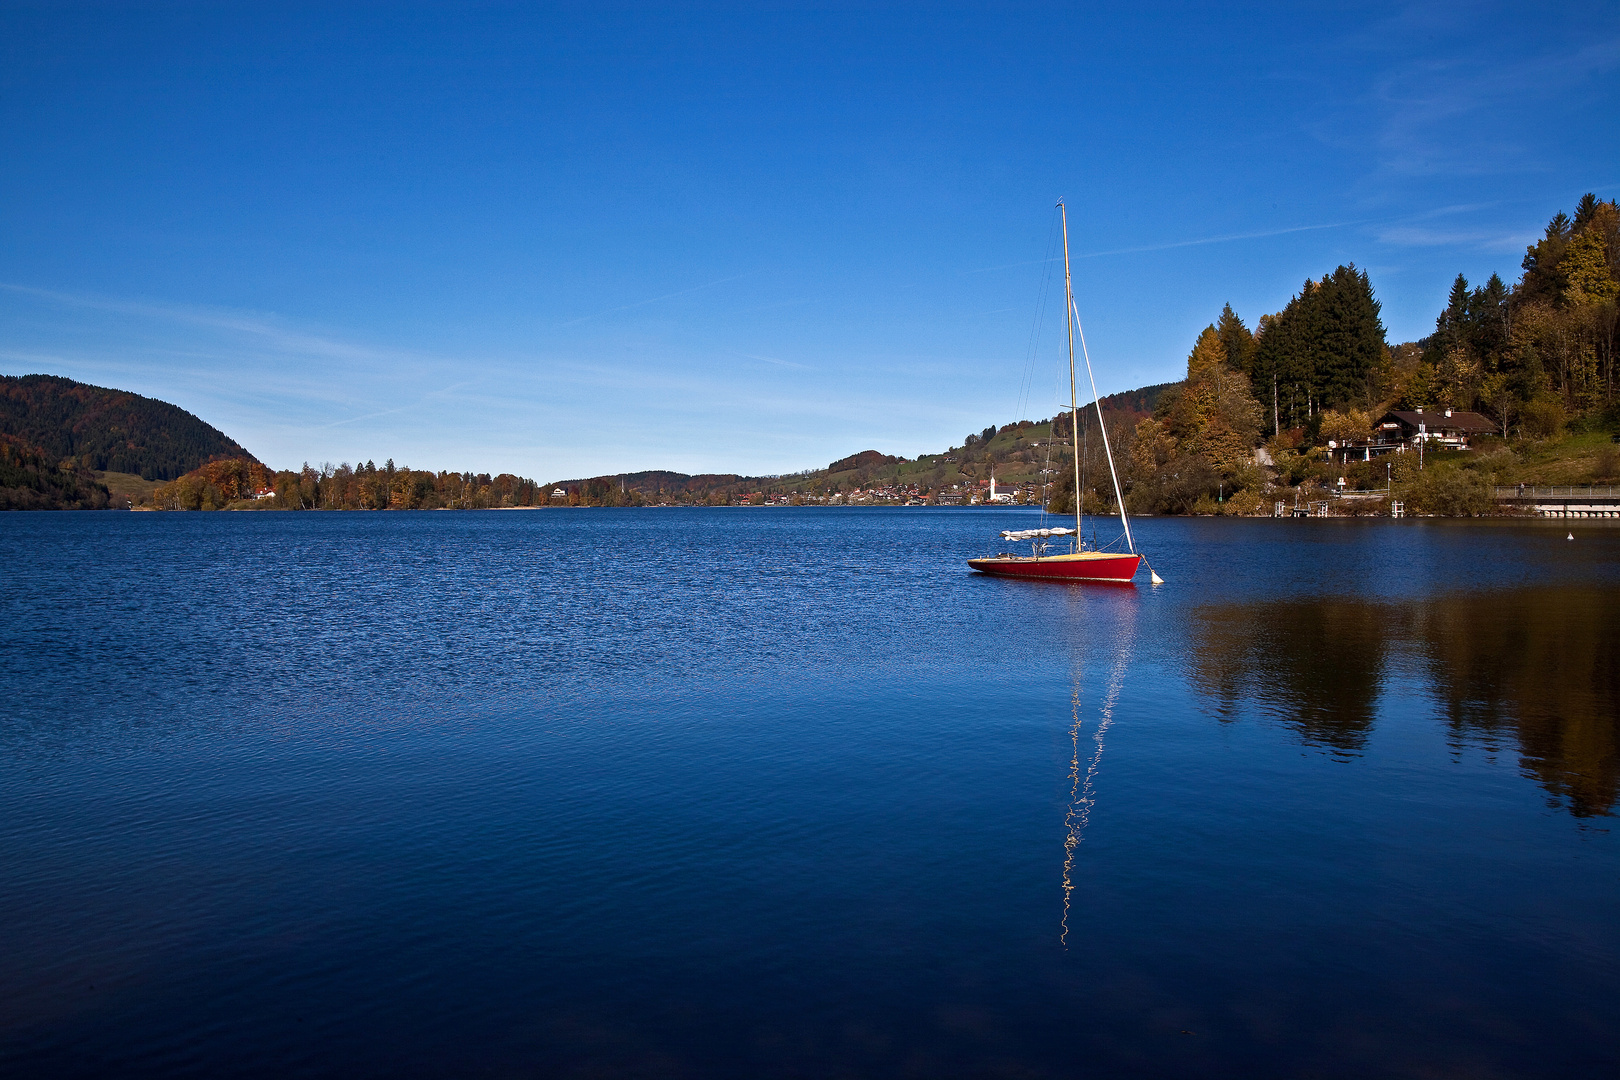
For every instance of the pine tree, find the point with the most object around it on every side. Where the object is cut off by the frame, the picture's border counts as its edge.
(1541, 280)
(1350, 338)
(1278, 358)
(1585, 209)
(1236, 339)
(1547, 346)
(1489, 323)
(1452, 325)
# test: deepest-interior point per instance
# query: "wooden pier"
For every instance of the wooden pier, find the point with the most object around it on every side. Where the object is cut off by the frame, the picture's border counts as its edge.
(1589, 501)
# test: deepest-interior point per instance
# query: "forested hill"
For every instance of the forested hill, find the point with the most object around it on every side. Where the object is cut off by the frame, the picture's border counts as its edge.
(1137, 403)
(1016, 453)
(108, 430)
(29, 481)
(655, 482)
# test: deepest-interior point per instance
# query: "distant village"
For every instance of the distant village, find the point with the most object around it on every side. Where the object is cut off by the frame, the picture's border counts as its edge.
(980, 493)
(1398, 431)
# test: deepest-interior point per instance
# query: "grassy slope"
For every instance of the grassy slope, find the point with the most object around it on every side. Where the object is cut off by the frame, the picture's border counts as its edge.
(1587, 458)
(129, 487)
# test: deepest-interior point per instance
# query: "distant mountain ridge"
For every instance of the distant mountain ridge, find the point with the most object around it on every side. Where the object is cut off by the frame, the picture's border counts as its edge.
(55, 431)
(100, 428)
(1010, 448)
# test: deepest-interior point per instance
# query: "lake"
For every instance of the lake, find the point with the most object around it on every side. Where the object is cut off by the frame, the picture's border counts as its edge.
(791, 793)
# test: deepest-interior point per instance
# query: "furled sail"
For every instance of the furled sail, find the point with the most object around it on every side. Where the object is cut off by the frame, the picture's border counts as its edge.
(1035, 534)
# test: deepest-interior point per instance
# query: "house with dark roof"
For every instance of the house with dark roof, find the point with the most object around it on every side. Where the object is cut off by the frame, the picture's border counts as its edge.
(1403, 429)
(1451, 428)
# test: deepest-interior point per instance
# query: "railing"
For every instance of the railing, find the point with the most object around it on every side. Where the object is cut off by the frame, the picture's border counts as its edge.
(1584, 491)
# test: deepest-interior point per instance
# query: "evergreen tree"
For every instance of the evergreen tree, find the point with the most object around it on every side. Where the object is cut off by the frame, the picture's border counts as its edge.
(1283, 359)
(1236, 340)
(1323, 348)
(1451, 328)
(1490, 312)
(1351, 336)
(1585, 209)
(1541, 280)
(1545, 348)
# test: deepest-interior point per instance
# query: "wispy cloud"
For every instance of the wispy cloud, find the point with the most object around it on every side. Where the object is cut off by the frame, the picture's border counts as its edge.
(252, 324)
(420, 401)
(778, 361)
(247, 358)
(1484, 240)
(1229, 238)
(1451, 211)
(651, 300)
(1013, 265)
(1431, 105)
(1404, 231)
(47, 361)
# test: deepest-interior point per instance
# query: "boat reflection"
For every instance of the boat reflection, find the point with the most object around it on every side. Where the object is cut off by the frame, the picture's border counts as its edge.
(1534, 668)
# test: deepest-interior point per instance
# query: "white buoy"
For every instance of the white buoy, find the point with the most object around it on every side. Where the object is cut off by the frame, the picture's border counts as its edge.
(1571, 536)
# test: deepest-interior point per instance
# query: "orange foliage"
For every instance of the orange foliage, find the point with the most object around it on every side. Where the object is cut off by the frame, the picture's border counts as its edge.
(214, 485)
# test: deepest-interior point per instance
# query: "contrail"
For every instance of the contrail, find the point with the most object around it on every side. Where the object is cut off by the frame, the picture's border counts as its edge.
(1218, 239)
(644, 303)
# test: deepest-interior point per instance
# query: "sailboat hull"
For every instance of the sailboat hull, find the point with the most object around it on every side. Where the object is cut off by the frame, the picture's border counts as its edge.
(1084, 566)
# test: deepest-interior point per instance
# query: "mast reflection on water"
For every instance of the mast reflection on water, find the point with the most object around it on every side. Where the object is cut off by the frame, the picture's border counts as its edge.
(1082, 782)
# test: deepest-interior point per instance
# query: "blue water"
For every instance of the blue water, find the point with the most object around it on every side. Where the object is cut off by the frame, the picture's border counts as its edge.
(790, 793)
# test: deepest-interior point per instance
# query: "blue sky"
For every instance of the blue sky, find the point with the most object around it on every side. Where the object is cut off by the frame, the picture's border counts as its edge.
(564, 240)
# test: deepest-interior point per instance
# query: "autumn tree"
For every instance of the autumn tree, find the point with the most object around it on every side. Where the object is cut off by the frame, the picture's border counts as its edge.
(1352, 426)
(1214, 416)
(1542, 350)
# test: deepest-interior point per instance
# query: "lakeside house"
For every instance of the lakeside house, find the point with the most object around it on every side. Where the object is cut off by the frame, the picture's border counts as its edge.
(1449, 427)
(1401, 429)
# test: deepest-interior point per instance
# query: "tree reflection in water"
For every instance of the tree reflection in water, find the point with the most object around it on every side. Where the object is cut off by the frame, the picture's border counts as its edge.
(1538, 666)
(1315, 663)
(1541, 665)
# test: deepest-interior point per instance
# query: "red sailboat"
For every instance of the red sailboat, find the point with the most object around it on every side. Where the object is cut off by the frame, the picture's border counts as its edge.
(1119, 567)
(1077, 564)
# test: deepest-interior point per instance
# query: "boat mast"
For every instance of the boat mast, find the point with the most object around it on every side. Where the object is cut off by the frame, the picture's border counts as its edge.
(1074, 324)
(1074, 401)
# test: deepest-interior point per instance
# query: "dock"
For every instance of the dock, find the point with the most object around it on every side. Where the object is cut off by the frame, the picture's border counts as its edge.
(1588, 501)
